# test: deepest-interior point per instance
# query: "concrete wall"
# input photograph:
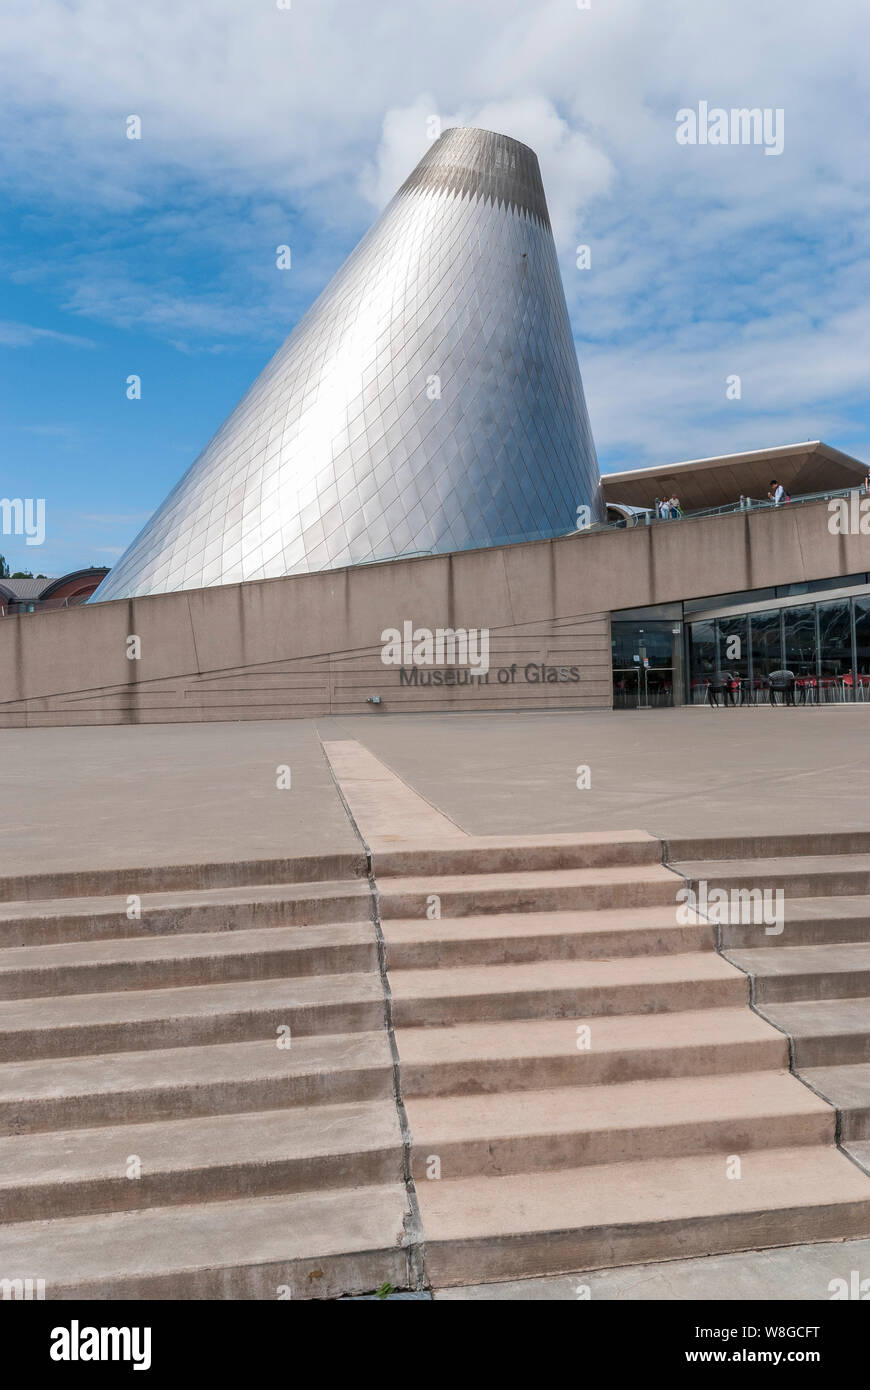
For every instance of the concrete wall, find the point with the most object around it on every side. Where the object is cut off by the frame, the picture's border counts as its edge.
(311, 645)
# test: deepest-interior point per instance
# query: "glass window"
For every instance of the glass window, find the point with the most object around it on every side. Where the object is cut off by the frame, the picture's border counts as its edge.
(634, 641)
(835, 638)
(843, 581)
(733, 646)
(626, 687)
(862, 645)
(800, 639)
(659, 610)
(644, 657)
(727, 600)
(702, 658)
(765, 642)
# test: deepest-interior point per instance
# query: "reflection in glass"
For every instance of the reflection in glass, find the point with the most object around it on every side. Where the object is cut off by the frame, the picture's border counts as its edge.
(766, 644)
(733, 646)
(862, 646)
(800, 640)
(835, 649)
(645, 656)
(835, 638)
(702, 657)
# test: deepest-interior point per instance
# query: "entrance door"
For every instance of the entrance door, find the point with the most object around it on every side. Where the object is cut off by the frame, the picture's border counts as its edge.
(647, 663)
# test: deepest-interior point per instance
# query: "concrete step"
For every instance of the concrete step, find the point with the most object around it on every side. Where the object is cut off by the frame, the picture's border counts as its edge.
(130, 963)
(476, 1058)
(86, 1023)
(767, 845)
(835, 971)
(43, 921)
(552, 890)
(175, 1083)
(601, 1216)
(577, 989)
(494, 854)
(183, 877)
(567, 1127)
(788, 1274)
(859, 1150)
(771, 846)
(305, 1245)
(830, 1032)
(516, 937)
(808, 922)
(847, 1088)
(215, 1158)
(800, 876)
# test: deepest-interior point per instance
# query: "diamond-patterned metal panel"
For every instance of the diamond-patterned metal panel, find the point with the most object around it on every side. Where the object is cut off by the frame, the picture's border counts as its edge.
(338, 454)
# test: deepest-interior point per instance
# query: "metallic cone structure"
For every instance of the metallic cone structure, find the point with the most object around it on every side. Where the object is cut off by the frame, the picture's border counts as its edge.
(429, 401)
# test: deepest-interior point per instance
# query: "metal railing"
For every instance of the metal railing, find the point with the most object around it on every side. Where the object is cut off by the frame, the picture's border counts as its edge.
(744, 504)
(808, 690)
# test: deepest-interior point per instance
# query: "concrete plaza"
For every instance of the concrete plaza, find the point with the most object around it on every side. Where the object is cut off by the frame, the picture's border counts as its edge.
(558, 904)
(178, 793)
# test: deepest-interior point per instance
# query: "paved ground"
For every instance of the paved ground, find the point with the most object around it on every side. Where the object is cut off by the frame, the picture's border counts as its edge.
(670, 772)
(180, 792)
(795, 1272)
(165, 794)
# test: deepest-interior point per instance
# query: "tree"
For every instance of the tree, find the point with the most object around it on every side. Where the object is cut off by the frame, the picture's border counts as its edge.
(4, 568)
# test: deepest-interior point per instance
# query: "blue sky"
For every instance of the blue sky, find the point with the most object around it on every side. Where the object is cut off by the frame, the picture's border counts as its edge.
(263, 127)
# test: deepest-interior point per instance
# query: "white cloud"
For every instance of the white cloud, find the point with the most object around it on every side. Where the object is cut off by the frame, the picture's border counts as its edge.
(701, 256)
(27, 335)
(575, 173)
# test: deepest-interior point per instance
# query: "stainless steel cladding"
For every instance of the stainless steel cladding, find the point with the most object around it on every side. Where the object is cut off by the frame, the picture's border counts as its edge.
(429, 401)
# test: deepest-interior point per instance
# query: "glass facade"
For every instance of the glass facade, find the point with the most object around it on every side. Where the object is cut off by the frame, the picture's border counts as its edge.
(429, 401)
(702, 653)
(765, 643)
(732, 646)
(862, 640)
(801, 639)
(647, 662)
(835, 638)
(826, 643)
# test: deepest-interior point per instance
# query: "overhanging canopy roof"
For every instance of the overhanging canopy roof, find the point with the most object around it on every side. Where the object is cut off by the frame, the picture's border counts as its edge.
(715, 482)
